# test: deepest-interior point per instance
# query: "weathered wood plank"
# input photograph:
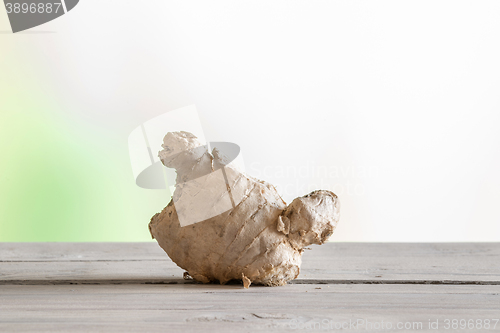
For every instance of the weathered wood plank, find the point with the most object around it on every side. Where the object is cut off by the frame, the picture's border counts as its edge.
(136, 305)
(431, 262)
(103, 272)
(33, 263)
(190, 308)
(151, 251)
(81, 251)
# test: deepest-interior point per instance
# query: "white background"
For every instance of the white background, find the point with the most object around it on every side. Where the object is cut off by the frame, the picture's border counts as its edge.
(398, 100)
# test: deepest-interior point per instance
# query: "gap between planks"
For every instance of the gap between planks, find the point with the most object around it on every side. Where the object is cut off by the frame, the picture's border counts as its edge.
(297, 281)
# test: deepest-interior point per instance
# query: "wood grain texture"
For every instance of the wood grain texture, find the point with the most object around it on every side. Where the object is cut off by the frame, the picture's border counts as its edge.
(212, 308)
(135, 287)
(81, 251)
(109, 263)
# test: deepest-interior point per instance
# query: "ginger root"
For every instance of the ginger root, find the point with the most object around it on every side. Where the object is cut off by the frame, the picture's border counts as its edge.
(223, 225)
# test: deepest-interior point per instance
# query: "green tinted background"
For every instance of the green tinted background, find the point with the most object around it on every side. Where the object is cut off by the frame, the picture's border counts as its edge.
(58, 183)
(65, 172)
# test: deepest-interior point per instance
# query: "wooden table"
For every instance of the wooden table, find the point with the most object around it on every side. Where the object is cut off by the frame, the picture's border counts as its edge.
(125, 287)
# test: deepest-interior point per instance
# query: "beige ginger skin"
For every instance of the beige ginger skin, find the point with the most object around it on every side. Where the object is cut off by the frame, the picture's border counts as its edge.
(258, 239)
